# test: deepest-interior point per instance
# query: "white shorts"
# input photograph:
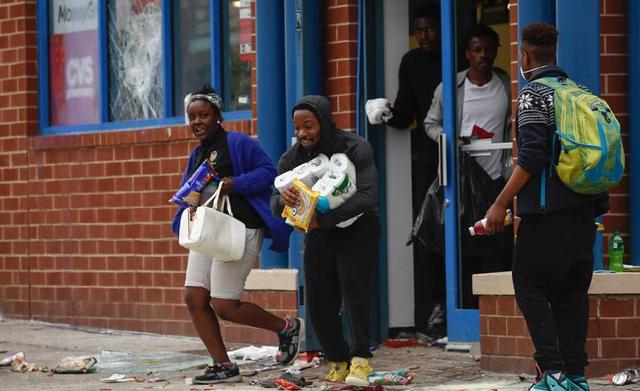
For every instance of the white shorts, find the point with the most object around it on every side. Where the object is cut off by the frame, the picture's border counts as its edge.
(225, 280)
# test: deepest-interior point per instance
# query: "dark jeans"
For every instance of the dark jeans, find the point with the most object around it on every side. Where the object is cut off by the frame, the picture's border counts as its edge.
(552, 272)
(339, 267)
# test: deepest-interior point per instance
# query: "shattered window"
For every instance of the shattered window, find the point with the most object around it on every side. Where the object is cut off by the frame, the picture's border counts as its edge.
(191, 48)
(237, 55)
(135, 59)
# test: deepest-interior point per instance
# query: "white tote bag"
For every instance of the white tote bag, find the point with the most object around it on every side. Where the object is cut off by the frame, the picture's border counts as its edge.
(212, 232)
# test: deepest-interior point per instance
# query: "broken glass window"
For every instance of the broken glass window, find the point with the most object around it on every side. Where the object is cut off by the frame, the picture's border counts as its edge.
(135, 60)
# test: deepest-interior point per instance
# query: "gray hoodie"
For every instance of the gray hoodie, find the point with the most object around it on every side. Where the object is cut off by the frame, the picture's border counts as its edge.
(333, 140)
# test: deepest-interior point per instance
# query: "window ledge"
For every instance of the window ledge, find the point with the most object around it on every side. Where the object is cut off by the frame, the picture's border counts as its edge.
(272, 280)
(122, 137)
(602, 284)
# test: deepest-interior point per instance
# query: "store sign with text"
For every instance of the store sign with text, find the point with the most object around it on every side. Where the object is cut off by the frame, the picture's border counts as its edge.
(73, 60)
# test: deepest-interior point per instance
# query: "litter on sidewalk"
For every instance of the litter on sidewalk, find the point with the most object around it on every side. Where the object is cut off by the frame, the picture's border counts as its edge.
(301, 365)
(75, 365)
(628, 376)
(117, 378)
(252, 353)
(7, 361)
(121, 362)
(400, 377)
(288, 381)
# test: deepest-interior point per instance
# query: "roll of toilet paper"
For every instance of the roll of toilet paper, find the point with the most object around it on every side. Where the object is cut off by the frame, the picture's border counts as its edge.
(326, 199)
(339, 162)
(303, 174)
(340, 182)
(319, 165)
(283, 181)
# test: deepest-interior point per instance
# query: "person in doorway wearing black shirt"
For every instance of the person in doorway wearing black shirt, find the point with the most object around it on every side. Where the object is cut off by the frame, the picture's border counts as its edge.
(419, 74)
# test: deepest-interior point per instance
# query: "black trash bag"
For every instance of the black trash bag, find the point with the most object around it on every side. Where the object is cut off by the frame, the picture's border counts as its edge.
(477, 193)
(428, 227)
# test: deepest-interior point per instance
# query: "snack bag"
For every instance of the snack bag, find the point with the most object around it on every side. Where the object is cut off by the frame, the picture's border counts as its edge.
(301, 214)
(189, 192)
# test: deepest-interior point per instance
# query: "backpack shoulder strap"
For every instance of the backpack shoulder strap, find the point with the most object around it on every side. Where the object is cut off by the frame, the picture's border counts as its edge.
(556, 82)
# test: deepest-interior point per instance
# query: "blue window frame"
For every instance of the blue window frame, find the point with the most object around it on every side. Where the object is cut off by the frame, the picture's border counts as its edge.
(122, 64)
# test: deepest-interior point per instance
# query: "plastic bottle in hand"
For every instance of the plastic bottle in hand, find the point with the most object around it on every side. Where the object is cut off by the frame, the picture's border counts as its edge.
(616, 252)
(480, 227)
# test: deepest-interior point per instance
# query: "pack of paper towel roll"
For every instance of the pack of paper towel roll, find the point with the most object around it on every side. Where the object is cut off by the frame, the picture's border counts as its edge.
(330, 181)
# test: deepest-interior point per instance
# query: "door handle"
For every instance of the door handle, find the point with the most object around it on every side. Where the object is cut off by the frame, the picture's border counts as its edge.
(442, 159)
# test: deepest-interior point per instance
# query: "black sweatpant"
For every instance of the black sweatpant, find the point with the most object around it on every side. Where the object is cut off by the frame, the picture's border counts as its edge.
(552, 271)
(339, 267)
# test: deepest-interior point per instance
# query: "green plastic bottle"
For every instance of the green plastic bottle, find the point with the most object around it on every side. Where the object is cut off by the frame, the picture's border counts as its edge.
(616, 252)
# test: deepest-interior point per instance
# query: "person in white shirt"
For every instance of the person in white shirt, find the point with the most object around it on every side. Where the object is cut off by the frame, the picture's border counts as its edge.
(483, 111)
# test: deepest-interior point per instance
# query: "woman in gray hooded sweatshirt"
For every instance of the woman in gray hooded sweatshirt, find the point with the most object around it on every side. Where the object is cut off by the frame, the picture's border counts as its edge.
(339, 263)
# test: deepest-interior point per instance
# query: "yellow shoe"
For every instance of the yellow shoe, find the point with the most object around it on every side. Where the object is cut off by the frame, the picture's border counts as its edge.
(339, 370)
(359, 373)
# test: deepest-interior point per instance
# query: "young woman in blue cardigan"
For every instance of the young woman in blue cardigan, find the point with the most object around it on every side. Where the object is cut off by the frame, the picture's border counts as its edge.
(213, 288)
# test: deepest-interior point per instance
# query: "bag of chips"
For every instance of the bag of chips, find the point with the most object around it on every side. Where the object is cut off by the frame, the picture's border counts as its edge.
(189, 192)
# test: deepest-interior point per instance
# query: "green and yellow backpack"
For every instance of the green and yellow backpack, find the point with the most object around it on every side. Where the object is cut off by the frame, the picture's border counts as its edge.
(591, 156)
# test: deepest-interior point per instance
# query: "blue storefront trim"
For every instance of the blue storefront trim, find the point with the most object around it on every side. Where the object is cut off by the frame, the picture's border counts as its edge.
(634, 120)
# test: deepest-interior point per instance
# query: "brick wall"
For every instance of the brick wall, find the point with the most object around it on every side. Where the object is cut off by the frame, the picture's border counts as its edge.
(613, 342)
(614, 88)
(341, 38)
(85, 222)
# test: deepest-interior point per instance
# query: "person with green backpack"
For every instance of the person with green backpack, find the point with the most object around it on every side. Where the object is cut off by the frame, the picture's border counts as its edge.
(569, 154)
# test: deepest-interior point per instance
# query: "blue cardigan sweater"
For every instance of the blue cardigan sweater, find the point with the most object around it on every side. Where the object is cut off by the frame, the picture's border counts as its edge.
(254, 173)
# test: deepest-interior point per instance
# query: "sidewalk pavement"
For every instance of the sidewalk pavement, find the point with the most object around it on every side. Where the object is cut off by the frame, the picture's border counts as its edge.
(45, 344)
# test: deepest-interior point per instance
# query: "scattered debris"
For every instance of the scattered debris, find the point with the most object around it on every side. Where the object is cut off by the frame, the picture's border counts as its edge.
(75, 365)
(253, 353)
(287, 381)
(5, 362)
(400, 377)
(19, 365)
(400, 342)
(442, 342)
(121, 362)
(157, 380)
(117, 378)
(342, 387)
(627, 376)
(301, 365)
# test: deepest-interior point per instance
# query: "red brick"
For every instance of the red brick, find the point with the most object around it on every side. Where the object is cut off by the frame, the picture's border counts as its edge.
(516, 326)
(507, 346)
(602, 327)
(340, 15)
(618, 348)
(613, 24)
(613, 63)
(488, 344)
(597, 368)
(497, 325)
(615, 6)
(614, 308)
(617, 44)
(629, 327)
(592, 346)
(524, 347)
